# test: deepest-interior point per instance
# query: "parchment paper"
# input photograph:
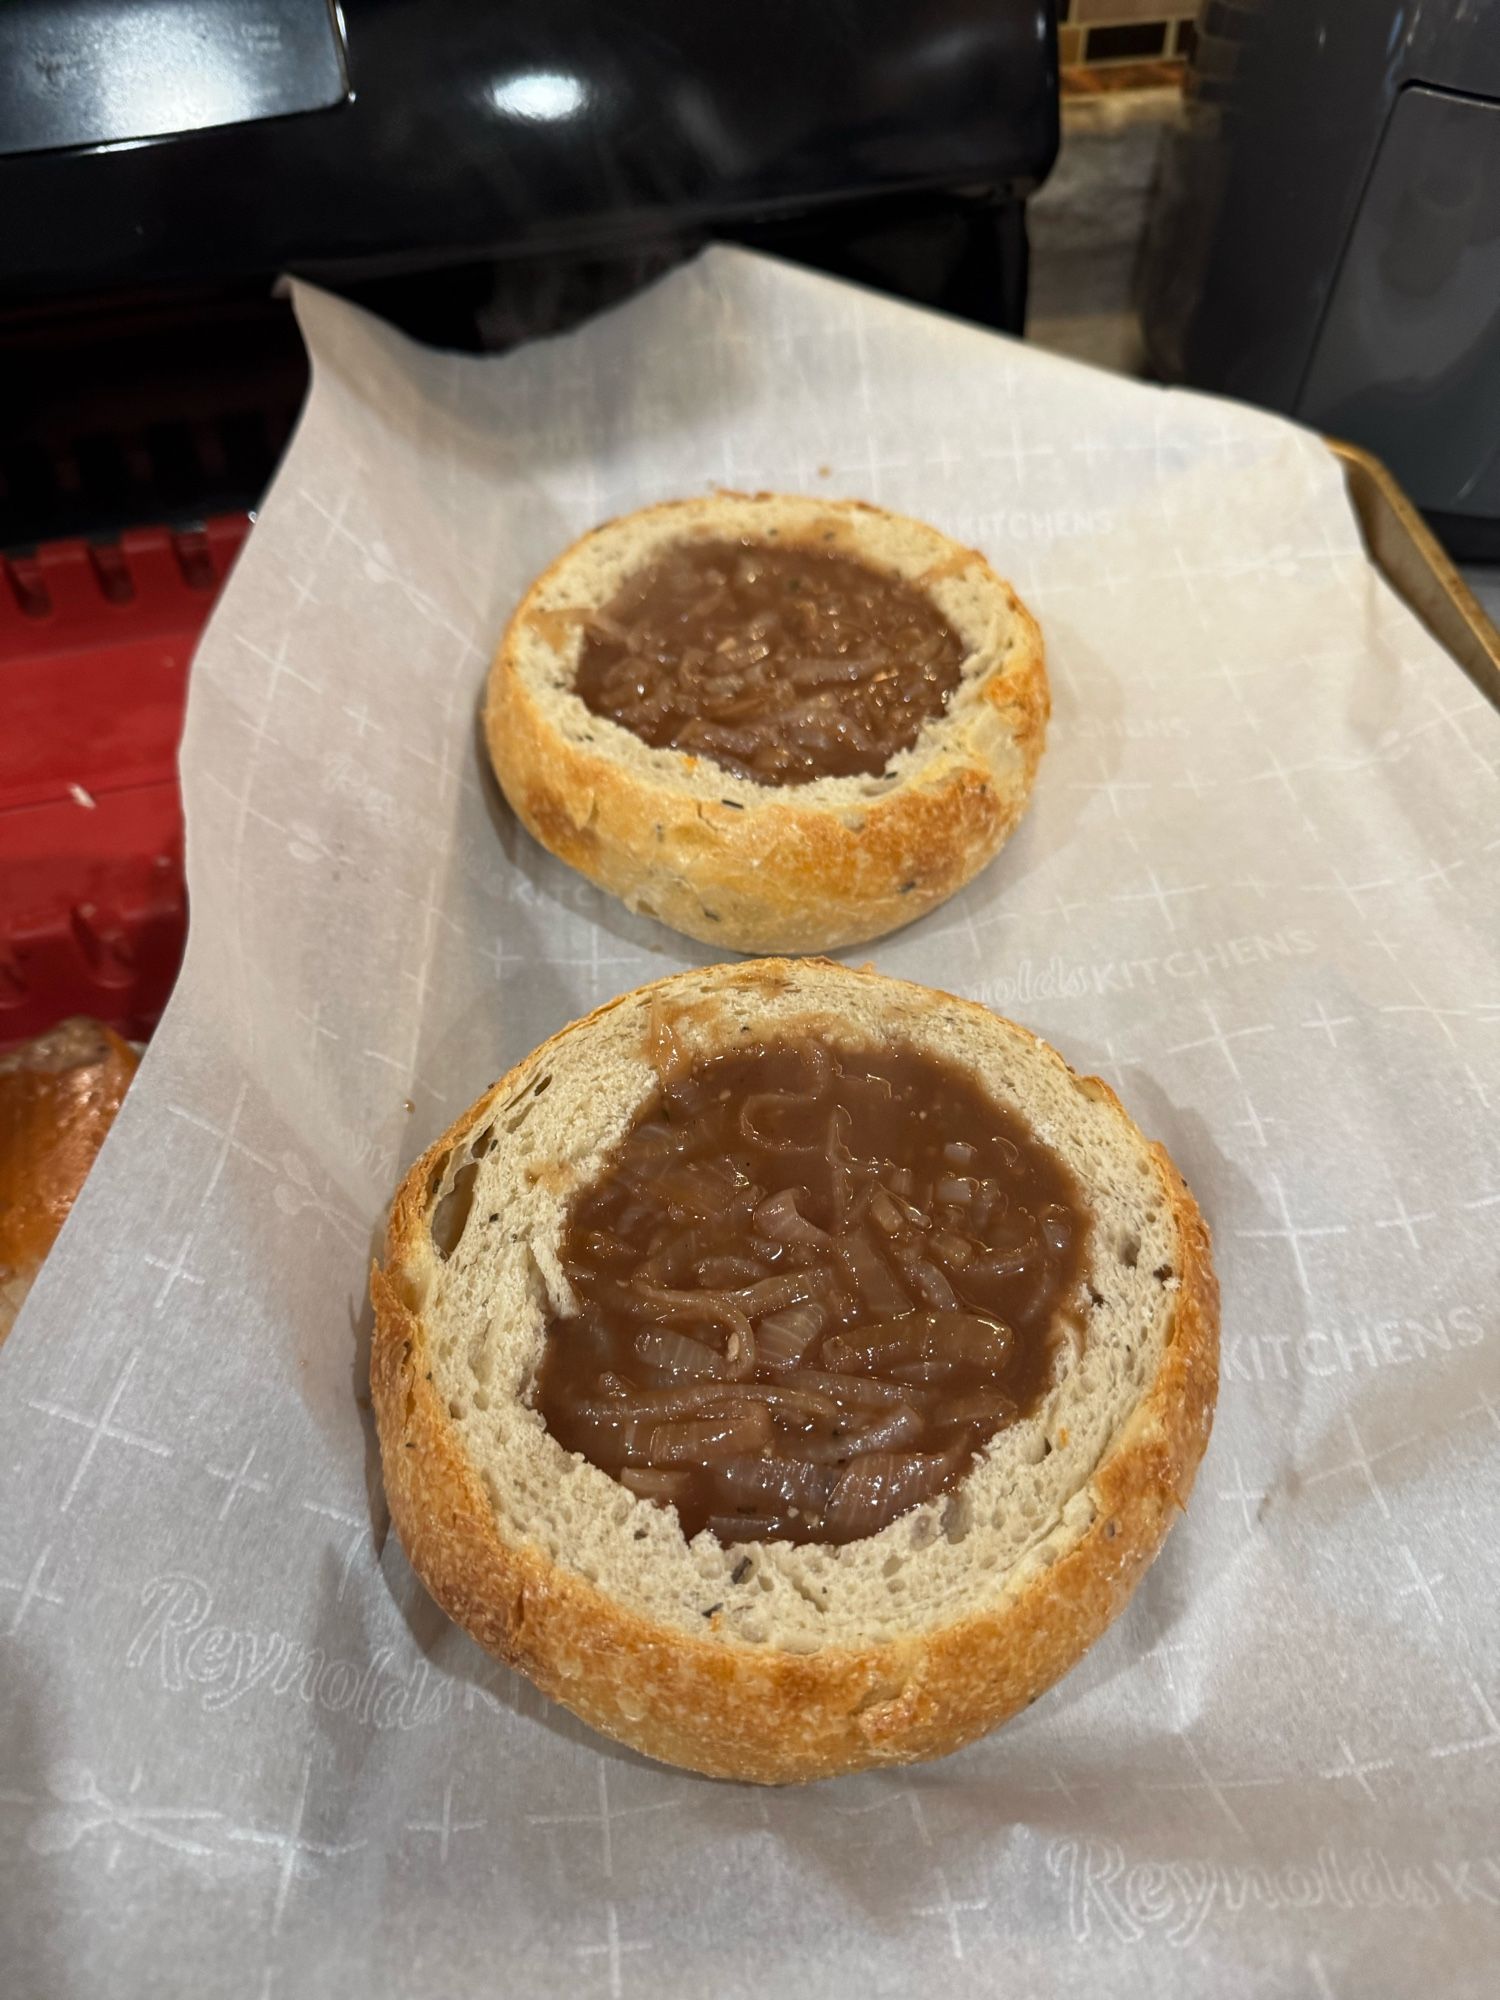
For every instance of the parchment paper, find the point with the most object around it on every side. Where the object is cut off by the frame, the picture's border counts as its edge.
(244, 1756)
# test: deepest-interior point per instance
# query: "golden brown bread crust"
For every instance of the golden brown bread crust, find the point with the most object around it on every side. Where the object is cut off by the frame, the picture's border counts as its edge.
(58, 1098)
(759, 1715)
(776, 873)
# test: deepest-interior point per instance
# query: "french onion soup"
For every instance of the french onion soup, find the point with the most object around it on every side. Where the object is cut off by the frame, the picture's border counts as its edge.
(811, 1284)
(782, 664)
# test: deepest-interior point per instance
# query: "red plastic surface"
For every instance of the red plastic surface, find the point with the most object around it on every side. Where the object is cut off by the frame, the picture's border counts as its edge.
(95, 646)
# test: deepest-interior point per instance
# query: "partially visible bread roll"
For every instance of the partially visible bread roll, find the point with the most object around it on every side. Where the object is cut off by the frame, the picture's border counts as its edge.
(778, 1663)
(58, 1098)
(795, 867)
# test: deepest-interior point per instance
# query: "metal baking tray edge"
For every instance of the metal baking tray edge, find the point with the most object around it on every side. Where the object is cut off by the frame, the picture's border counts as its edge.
(1409, 557)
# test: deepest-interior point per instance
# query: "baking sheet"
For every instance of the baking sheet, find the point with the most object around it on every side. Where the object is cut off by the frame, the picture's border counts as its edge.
(243, 1755)
(1410, 558)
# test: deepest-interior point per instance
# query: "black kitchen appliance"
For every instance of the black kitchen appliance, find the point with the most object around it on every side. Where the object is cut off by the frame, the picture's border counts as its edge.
(1325, 238)
(477, 173)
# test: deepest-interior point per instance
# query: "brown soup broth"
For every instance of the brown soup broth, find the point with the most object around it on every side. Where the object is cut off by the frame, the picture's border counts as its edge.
(782, 664)
(811, 1285)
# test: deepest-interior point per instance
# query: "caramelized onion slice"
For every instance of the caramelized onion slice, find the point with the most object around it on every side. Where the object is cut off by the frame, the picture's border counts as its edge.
(830, 671)
(665, 1262)
(957, 1252)
(695, 1189)
(1033, 1305)
(1057, 1228)
(986, 1407)
(610, 1436)
(664, 1050)
(652, 1484)
(808, 1405)
(877, 1287)
(739, 1355)
(885, 1214)
(925, 1371)
(778, 1217)
(840, 1164)
(897, 1428)
(726, 1272)
(856, 1391)
(957, 1189)
(721, 1400)
(887, 1430)
(608, 1248)
(840, 1355)
(785, 1288)
(771, 1104)
(1006, 1232)
(938, 1338)
(706, 1442)
(819, 1062)
(716, 1307)
(677, 1353)
(995, 1279)
(731, 1528)
(775, 1483)
(875, 1090)
(879, 1485)
(926, 1280)
(783, 1338)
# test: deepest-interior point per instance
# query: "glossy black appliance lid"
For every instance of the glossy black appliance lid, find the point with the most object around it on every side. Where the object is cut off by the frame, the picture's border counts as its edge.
(472, 131)
(98, 72)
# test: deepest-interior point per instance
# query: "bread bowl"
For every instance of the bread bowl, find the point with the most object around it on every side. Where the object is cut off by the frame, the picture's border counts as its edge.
(777, 1661)
(737, 841)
